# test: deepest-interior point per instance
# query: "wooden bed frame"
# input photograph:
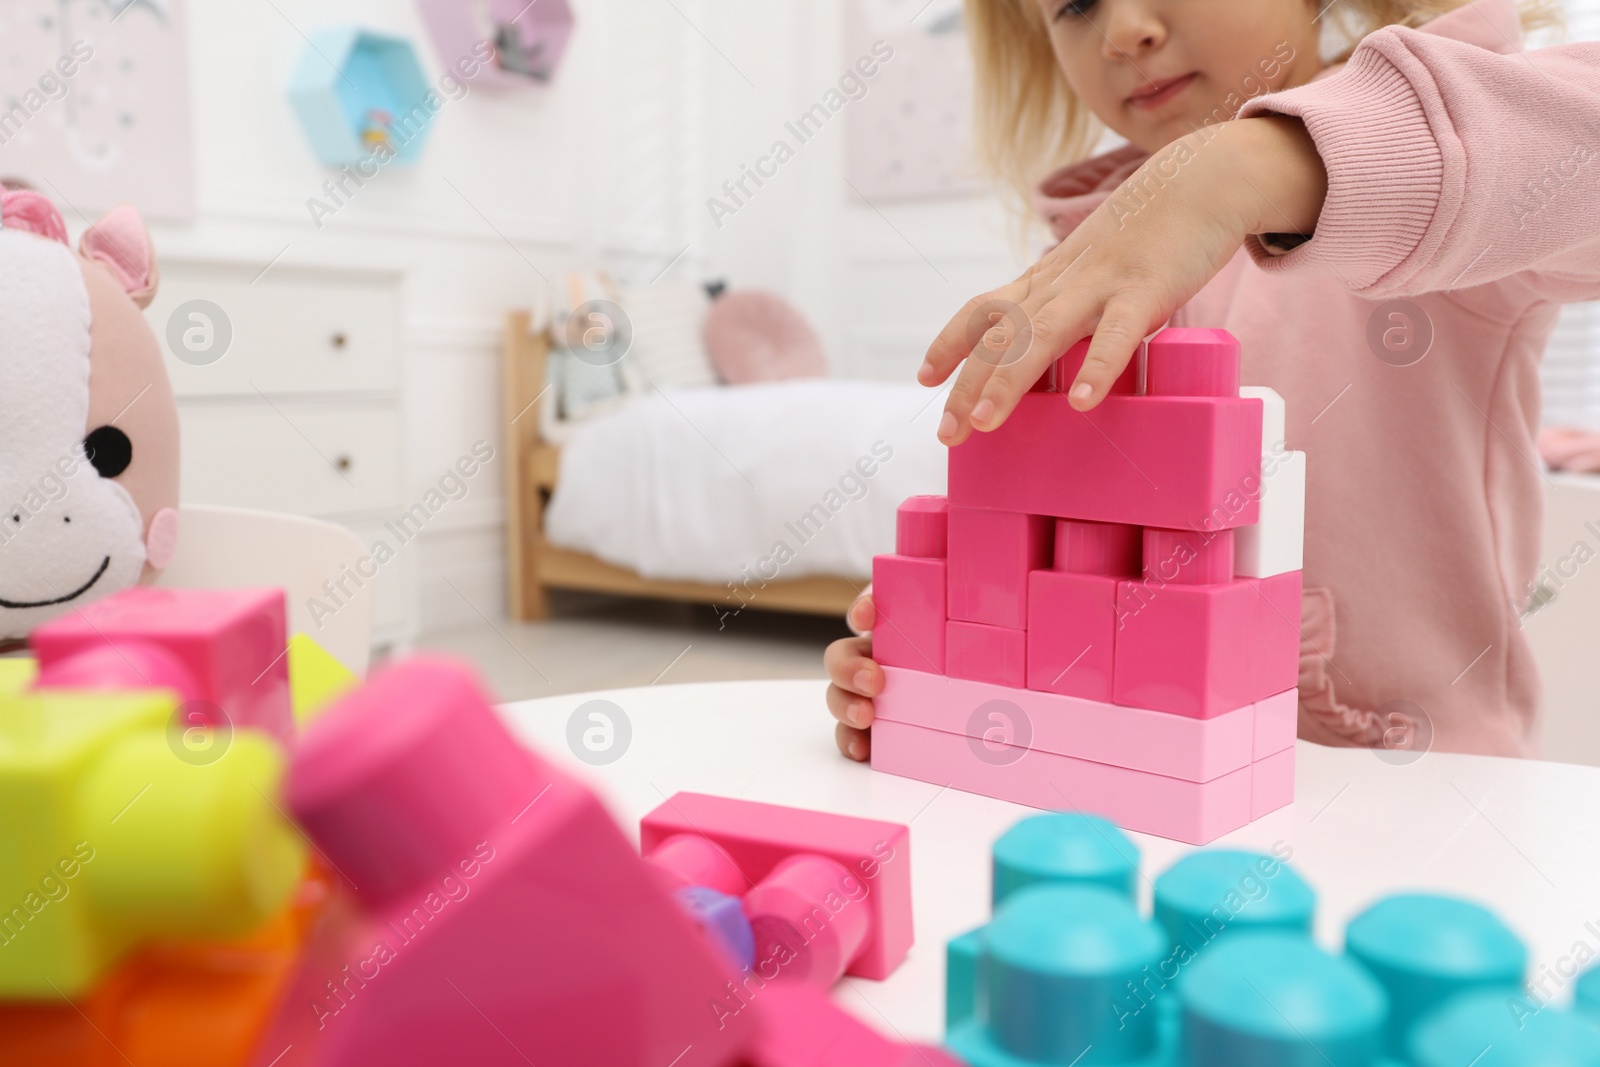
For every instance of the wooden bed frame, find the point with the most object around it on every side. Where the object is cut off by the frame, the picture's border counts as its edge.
(534, 565)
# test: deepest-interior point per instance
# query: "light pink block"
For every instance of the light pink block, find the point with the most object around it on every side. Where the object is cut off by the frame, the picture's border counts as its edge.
(908, 594)
(1277, 721)
(802, 1027)
(1272, 783)
(985, 653)
(222, 650)
(991, 553)
(875, 856)
(1276, 663)
(1097, 548)
(1191, 812)
(1171, 461)
(922, 527)
(1192, 362)
(1188, 557)
(475, 861)
(1072, 623)
(1174, 746)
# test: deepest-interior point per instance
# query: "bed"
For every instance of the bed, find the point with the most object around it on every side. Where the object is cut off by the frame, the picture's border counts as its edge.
(687, 495)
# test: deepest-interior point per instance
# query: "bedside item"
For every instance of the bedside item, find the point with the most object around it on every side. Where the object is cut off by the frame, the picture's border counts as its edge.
(368, 104)
(668, 350)
(528, 40)
(755, 336)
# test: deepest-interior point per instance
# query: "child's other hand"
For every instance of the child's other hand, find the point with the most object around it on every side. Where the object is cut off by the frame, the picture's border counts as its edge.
(1139, 257)
(856, 680)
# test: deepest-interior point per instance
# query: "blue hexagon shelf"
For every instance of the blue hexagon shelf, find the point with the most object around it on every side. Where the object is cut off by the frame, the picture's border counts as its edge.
(355, 91)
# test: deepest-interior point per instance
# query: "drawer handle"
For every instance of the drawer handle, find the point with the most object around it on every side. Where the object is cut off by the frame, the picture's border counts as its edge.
(344, 463)
(340, 340)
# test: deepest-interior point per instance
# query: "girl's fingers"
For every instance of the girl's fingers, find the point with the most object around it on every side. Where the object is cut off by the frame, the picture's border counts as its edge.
(1055, 327)
(986, 325)
(862, 615)
(1123, 324)
(856, 744)
(956, 423)
(849, 708)
(850, 667)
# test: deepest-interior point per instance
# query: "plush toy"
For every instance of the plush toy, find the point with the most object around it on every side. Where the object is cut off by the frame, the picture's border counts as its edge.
(88, 425)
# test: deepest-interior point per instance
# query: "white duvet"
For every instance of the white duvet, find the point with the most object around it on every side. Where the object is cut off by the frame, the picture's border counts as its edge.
(748, 482)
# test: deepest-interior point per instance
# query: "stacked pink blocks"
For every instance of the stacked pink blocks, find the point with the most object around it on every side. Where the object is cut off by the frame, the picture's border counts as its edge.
(1104, 613)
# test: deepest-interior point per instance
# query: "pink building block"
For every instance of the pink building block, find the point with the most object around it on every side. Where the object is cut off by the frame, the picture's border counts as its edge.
(984, 653)
(1059, 376)
(1191, 362)
(802, 1027)
(222, 651)
(1272, 783)
(1072, 625)
(691, 860)
(1174, 746)
(921, 527)
(1276, 664)
(1188, 557)
(499, 916)
(991, 553)
(908, 594)
(870, 872)
(1170, 461)
(1098, 548)
(1192, 812)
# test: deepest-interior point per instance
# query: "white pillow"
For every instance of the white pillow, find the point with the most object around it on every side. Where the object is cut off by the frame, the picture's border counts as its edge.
(668, 350)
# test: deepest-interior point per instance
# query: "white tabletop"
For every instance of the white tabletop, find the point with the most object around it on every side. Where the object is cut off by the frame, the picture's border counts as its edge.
(1522, 837)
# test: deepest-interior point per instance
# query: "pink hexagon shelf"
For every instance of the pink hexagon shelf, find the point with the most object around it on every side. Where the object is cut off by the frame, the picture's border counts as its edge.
(528, 39)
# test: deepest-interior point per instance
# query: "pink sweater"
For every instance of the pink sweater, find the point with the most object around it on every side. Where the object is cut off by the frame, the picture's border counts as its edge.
(1461, 180)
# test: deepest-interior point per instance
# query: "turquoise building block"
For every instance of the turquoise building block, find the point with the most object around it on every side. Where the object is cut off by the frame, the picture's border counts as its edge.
(962, 958)
(1209, 893)
(1587, 996)
(1493, 1028)
(358, 93)
(1071, 849)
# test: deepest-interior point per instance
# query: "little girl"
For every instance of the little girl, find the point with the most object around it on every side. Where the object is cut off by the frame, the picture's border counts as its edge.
(1389, 237)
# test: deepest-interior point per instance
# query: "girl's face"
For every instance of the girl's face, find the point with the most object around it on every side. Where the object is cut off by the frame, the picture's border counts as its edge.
(1155, 70)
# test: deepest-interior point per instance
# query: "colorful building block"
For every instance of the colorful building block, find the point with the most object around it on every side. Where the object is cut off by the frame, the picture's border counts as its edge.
(17, 673)
(1216, 892)
(1183, 361)
(1274, 417)
(802, 1027)
(1271, 783)
(497, 915)
(922, 527)
(982, 653)
(1059, 375)
(1188, 557)
(1105, 548)
(722, 919)
(1064, 849)
(1502, 1028)
(1171, 461)
(1071, 637)
(908, 593)
(1586, 994)
(221, 650)
(835, 880)
(991, 555)
(316, 678)
(1275, 544)
(117, 835)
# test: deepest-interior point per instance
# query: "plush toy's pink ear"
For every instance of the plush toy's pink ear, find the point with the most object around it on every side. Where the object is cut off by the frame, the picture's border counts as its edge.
(24, 209)
(120, 241)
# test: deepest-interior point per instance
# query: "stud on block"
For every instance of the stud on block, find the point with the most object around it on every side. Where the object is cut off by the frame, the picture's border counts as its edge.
(1059, 376)
(922, 527)
(1194, 898)
(1188, 557)
(1183, 361)
(991, 554)
(908, 594)
(1503, 1028)
(1106, 548)
(982, 653)
(1064, 849)
(866, 863)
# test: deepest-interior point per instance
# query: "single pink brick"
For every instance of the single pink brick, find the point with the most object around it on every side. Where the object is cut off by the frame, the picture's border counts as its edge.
(221, 650)
(1277, 652)
(1188, 649)
(908, 594)
(1192, 812)
(1188, 557)
(796, 929)
(873, 856)
(1192, 362)
(985, 653)
(1174, 746)
(1098, 548)
(920, 527)
(1072, 625)
(803, 1027)
(991, 553)
(1277, 720)
(691, 860)
(474, 861)
(1272, 783)
(1059, 376)
(1173, 461)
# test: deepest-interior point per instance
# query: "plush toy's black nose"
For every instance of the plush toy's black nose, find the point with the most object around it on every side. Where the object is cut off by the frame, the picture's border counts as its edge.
(109, 450)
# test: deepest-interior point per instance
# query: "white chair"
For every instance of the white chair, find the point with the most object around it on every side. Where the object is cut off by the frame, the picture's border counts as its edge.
(1564, 630)
(221, 547)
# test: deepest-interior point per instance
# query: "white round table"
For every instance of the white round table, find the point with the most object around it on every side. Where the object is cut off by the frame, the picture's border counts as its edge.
(1522, 837)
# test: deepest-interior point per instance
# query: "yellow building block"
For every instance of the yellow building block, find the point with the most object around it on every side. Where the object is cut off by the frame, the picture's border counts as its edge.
(118, 829)
(17, 673)
(316, 678)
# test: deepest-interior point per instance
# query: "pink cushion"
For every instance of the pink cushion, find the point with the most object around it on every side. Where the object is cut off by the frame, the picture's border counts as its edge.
(754, 336)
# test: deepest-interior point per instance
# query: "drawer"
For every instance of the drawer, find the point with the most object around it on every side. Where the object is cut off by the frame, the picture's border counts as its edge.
(291, 331)
(308, 459)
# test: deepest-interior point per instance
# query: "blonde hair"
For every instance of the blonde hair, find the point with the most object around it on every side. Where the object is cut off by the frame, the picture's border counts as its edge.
(1027, 121)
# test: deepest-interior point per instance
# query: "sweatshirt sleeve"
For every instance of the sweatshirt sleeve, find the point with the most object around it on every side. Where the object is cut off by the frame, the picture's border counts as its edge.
(1452, 166)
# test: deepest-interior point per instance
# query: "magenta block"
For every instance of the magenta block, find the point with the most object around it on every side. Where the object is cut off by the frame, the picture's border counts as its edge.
(1098, 548)
(921, 527)
(1277, 659)
(908, 594)
(867, 868)
(984, 653)
(1191, 362)
(1272, 783)
(1171, 461)
(689, 860)
(796, 932)
(802, 1027)
(1173, 746)
(1188, 557)
(499, 916)
(1059, 376)
(1193, 812)
(222, 651)
(991, 553)
(1072, 624)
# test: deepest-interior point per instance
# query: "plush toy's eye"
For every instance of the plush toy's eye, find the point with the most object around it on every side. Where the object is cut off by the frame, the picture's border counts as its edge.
(109, 450)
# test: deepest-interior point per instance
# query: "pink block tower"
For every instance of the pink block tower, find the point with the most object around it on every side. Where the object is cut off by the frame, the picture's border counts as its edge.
(1103, 615)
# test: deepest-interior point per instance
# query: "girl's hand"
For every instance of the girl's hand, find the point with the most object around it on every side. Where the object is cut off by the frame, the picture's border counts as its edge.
(1122, 273)
(856, 680)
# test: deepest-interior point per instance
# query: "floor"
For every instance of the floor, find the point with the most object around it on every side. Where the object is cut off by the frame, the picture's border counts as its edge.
(595, 642)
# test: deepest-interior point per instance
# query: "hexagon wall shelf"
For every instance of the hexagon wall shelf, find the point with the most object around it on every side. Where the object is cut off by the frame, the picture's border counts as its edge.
(529, 39)
(355, 90)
